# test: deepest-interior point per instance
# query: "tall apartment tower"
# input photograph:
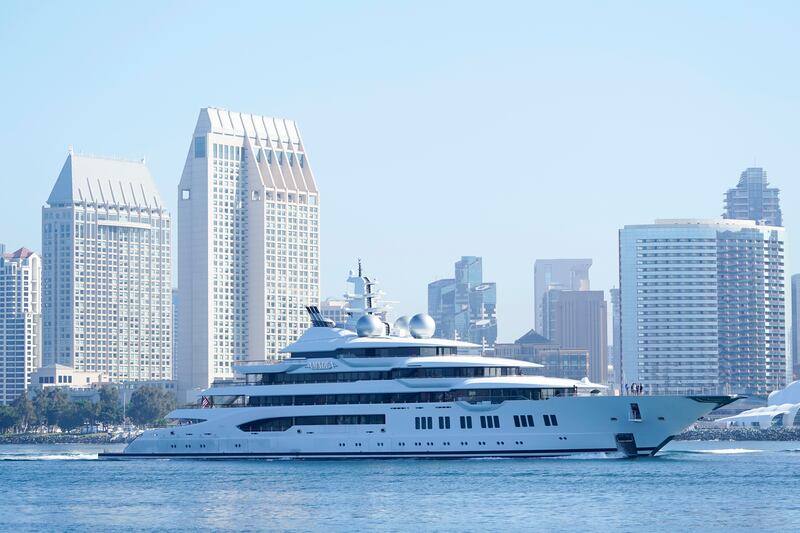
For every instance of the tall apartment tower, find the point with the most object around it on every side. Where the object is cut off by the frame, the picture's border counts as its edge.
(20, 321)
(579, 320)
(465, 306)
(704, 306)
(248, 247)
(752, 199)
(107, 276)
(616, 335)
(567, 274)
(796, 325)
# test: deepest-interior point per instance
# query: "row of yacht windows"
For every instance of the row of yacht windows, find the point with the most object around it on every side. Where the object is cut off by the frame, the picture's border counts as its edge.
(397, 373)
(396, 351)
(285, 422)
(494, 396)
(426, 422)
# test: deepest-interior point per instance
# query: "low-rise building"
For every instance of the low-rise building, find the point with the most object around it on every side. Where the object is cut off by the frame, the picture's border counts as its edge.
(557, 362)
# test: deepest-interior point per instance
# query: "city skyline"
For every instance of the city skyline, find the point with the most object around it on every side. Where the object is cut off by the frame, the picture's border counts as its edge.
(576, 113)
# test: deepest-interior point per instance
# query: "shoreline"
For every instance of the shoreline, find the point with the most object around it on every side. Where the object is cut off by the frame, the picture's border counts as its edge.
(65, 438)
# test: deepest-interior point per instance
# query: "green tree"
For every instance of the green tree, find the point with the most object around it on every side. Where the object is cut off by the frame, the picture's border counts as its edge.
(75, 414)
(26, 415)
(50, 403)
(8, 418)
(149, 404)
(109, 407)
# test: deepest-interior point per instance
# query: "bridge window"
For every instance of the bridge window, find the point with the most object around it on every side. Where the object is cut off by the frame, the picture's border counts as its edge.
(279, 378)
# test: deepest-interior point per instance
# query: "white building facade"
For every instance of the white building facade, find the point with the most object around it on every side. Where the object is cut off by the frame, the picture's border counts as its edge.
(106, 239)
(20, 321)
(248, 252)
(704, 306)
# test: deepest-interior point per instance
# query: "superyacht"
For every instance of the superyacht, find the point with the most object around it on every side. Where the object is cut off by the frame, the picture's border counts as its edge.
(381, 392)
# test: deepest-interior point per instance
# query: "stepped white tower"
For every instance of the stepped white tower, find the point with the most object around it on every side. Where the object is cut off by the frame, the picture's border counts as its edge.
(248, 250)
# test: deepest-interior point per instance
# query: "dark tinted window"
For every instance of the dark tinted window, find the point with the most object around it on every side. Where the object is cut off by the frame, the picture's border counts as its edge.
(495, 396)
(285, 422)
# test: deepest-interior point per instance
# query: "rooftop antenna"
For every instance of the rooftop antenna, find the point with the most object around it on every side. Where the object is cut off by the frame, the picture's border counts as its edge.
(359, 267)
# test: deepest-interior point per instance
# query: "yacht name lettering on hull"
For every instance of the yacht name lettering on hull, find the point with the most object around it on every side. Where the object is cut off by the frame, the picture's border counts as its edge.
(320, 365)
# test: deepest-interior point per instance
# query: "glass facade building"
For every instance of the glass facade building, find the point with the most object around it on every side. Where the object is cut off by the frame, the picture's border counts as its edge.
(752, 199)
(464, 307)
(567, 274)
(704, 306)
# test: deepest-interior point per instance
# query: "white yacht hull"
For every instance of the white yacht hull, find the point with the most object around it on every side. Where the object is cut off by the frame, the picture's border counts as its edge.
(585, 424)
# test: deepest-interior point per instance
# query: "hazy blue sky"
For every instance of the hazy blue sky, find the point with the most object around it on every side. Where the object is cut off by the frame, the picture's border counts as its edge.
(513, 131)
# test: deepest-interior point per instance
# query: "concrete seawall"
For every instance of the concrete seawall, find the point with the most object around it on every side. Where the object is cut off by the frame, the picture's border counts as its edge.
(63, 438)
(777, 434)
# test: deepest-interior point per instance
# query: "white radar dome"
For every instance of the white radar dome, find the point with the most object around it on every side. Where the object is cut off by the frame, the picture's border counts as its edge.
(400, 328)
(369, 326)
(422, 326)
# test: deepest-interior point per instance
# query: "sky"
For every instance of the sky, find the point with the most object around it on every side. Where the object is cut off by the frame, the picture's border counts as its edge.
(511, 131)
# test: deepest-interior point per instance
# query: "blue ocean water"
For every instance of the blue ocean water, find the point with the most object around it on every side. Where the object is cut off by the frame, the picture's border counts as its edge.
(690, 486)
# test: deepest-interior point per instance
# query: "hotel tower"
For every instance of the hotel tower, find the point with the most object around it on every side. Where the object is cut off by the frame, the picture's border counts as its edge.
(248, 244)
(107, 275)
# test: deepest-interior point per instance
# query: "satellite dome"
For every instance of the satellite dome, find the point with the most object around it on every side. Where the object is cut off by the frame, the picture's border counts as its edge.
(422, 326)
(369, 326)
(400, 328)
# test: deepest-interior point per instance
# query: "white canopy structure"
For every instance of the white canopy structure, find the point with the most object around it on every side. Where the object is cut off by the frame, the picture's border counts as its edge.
(782, 410)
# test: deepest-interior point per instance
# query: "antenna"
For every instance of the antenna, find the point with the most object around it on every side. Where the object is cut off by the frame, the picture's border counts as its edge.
(317, 320)
(359, 267)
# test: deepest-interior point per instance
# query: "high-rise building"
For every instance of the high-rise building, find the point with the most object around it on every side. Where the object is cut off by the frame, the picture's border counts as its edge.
(752, 199)
(248, 247)
(704, 306)
(579, 320)
(464, 306)
(107, 276)
(796, 325)
(20, 321)
(616, 334)
(567, 274)
(174, 333)
(442, 306)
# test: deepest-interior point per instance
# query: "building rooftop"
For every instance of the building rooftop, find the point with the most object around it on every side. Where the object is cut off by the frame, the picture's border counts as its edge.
(216, 120)
(532, 338)
(22, 253)
(715, 222)
(99, 180)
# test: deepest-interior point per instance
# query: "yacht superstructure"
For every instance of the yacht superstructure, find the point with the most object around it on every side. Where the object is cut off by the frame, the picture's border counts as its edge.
(386, 392)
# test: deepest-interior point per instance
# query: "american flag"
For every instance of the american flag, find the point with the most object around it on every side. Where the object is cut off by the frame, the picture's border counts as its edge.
(205, 403)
